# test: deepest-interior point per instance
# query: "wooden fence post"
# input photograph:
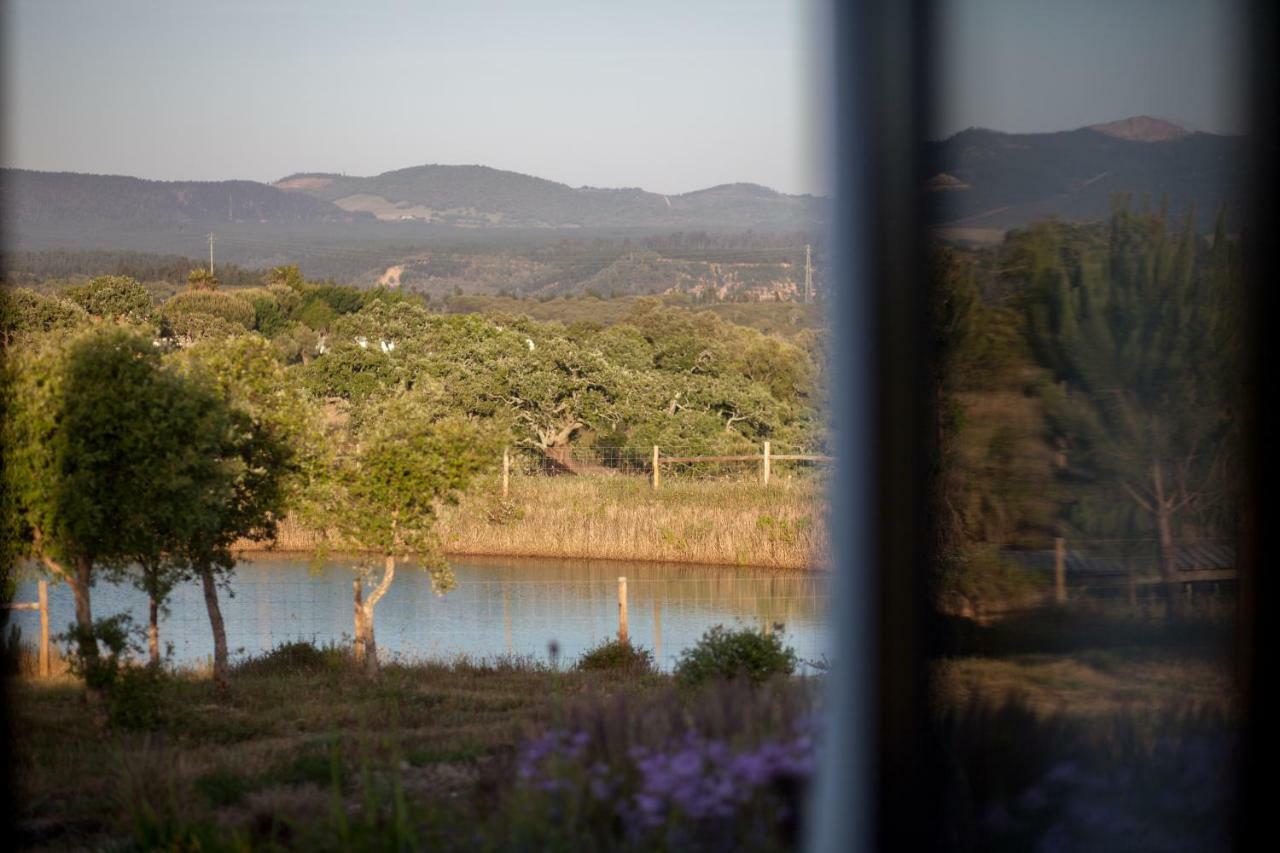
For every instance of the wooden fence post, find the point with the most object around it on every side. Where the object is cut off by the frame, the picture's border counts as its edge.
(43, 588)
(622, 610)
(764, 469)
(656, 475)
(506, 472)
(1060, 570)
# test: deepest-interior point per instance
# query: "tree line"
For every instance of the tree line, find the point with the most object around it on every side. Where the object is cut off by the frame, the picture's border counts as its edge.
(143, 440)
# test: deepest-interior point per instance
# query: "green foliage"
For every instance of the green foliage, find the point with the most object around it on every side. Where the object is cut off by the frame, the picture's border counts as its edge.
(1140, 337)
(101, 438)
(617, 656)
(25, 311)
(134, 699)
(116, 635)
(201, 279)
(403, 456)
(296, 656)
(200, 327)
(265, 457)
(747, 653)
(114, 297)
(227, 306)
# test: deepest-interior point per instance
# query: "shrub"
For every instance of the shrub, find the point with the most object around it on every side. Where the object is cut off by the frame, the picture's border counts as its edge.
(617, 656)
(23, 310)
(742, 653)
(296, 656)
(135, 698)
(227, 306)
(198, 327)
(115, 297)
(117, 635)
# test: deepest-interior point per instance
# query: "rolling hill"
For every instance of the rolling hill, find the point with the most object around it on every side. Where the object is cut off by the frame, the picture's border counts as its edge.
(479, 196)
(29, 198)
(985, 179)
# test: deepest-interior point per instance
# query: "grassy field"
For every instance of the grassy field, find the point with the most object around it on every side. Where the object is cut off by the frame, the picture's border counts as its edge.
(300, 752)
(726, 521)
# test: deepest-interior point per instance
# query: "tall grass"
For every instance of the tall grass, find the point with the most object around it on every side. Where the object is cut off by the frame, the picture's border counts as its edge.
(709, 521)
(727, 521)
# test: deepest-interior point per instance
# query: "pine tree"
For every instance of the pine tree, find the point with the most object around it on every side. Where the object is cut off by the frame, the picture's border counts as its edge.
(1139, 340)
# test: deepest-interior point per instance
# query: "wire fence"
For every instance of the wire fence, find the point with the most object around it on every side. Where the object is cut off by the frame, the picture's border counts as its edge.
(493, 611)
(696, 461)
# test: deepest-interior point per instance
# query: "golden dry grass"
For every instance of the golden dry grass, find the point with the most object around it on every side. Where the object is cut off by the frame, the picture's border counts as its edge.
(723, 521)
(731, 522)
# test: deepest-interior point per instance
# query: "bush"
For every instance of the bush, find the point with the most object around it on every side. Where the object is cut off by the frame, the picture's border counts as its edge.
(135, 698)
(617, 656)
(296, 656)
(742, 653)
(199, 327)
(115, 297)
(23, 310)
(227, 306)
(117, 634)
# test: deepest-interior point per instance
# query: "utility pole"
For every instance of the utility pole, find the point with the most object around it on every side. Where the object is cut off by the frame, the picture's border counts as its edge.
(229, 219)
(210, 253)
(808, 275)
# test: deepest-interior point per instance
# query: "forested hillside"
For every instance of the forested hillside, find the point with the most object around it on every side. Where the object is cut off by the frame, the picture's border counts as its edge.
(479, 196)
(34, 199)
(985, 179)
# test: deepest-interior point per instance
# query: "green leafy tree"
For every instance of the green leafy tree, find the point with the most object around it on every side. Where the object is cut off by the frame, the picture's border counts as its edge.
(399, 458)
(98, 463)
(263, 461)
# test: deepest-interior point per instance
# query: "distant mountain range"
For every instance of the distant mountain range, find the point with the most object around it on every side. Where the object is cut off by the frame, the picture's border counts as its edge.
(478, 197)
(981, 182)
(985, 179)
(451, 196)
(30, 198)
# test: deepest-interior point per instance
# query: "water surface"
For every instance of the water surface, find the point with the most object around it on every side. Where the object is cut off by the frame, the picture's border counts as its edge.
(499, 606)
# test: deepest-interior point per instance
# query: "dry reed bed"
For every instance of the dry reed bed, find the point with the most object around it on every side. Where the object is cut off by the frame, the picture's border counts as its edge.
(722, 522)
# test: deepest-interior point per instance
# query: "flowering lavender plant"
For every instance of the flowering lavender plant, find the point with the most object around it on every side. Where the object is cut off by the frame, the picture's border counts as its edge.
(688, 791)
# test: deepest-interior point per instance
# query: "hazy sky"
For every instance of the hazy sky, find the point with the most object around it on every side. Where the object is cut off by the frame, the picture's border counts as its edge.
(1034, 65)
(670, 95)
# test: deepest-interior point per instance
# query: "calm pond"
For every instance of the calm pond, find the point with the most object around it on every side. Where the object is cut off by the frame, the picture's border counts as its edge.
(499, 606)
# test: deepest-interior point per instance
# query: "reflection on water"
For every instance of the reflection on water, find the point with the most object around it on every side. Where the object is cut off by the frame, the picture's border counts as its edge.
(499, 606)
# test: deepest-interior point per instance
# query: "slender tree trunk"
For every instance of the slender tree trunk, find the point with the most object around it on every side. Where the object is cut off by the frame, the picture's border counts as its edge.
(84, 611)
(358, 615)
(366, 645)
(153, 632)
(220, 664)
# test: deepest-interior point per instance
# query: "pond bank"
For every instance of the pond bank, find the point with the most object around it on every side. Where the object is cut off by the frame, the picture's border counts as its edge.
(704, 522)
